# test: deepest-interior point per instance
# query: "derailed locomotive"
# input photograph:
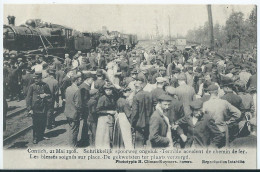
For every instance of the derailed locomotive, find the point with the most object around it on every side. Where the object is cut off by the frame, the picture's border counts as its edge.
(58, 39)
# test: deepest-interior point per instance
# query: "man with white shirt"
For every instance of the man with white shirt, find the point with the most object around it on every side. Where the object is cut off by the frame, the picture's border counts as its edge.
(160, 128)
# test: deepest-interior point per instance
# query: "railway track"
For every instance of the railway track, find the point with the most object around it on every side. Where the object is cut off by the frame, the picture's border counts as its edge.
(17, 124)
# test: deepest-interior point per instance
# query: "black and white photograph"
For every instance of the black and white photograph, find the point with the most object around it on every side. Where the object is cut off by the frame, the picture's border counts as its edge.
(169, 86)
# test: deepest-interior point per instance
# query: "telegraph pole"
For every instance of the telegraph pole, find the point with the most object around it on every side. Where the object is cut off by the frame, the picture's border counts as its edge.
(169, 29)
(211, 36)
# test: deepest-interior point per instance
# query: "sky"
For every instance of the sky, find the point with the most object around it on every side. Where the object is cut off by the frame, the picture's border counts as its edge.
(136, 19)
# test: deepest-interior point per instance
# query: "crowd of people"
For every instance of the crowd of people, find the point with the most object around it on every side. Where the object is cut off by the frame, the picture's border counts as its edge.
(140, 98)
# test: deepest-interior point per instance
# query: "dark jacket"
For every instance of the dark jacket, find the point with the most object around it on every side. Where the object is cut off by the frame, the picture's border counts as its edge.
(84, 98)
(34, 101)
(158, 130)
(204, 133)
(141, 110)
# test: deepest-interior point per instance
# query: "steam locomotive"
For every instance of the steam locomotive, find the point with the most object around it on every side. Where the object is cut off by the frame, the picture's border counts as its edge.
(58, 39)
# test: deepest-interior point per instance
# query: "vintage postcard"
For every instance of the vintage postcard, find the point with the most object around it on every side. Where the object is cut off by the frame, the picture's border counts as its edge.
(129, 86)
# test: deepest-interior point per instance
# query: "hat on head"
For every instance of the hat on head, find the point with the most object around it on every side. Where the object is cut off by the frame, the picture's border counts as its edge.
(212, 87)
(160, 79)
(226, 81)
(108, 85)
(197, 104)
(37, 74)
(164, 97)
(19, 59)
(99, 72)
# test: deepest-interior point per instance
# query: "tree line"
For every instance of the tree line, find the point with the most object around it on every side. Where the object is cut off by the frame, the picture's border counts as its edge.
(238, 33)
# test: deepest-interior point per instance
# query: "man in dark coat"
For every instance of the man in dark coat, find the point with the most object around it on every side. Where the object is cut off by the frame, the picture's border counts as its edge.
(13, 82)
(201, 128)
(84, 89)
(92, 116)
(141, 112)
(176, 112)
(66, 82)
(160, 128)
(73, 110)
(37, 101)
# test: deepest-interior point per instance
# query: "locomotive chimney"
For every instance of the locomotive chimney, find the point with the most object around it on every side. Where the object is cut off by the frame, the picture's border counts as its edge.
(11, 20)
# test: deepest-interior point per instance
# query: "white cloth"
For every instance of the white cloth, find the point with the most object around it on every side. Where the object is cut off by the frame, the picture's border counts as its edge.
(102, 133)
(37, 68)
(75, 64)
(125, 130)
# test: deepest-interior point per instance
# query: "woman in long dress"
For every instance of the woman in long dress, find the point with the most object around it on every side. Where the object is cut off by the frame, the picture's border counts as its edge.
(122, 130)
(106, 107)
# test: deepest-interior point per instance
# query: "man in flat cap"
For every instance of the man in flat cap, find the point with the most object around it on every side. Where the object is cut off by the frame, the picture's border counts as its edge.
(37, 100)
(73, 109)
(201, 128)
(159, 125)
(54, 88)
(141, 111)
(224, 113)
